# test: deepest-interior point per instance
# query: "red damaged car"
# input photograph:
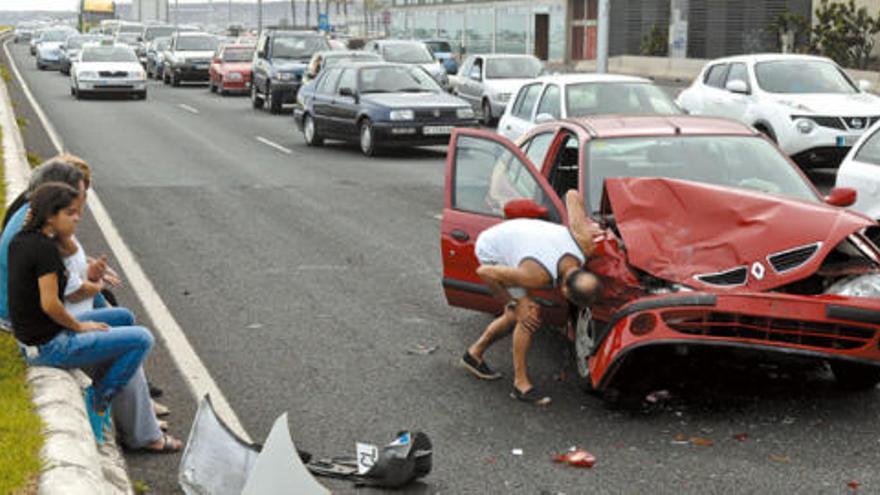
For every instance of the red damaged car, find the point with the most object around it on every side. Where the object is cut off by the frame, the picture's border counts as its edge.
(230, 70)
(712, 240)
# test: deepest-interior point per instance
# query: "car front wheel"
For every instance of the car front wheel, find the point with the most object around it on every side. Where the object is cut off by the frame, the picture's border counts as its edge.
(367, 139)
(855, 376)
(256, 99)
(274, 103)
(487, 113)
(310, 133)
(582, 349)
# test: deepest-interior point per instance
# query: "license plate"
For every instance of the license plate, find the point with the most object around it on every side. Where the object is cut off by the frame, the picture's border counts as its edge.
(436, 130)
(847, 141)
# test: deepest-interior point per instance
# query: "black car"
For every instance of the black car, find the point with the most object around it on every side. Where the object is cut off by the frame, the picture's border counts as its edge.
(279, 64)
(380, 104)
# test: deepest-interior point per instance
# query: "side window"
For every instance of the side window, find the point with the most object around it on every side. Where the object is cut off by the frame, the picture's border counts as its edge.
(348, 79)
(870, 150)
(476, 72)
(564, 166)
(550, 102)
(738, 72)
(526, 101)
(715, 75)
(327, 86)
(488, 175)
(465, 68)
(536, 148)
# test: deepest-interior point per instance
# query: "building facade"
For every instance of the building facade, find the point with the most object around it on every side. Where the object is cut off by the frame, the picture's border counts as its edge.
(565, 31)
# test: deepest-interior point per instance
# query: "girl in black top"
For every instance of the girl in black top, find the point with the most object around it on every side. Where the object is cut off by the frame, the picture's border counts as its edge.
(47, 333)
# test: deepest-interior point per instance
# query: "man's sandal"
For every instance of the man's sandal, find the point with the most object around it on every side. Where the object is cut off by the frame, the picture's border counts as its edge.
(170, 445)
(531, 396)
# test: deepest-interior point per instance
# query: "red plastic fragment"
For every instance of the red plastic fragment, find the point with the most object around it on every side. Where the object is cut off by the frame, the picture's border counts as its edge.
(742, 437)
(576, 458)
(853, 485)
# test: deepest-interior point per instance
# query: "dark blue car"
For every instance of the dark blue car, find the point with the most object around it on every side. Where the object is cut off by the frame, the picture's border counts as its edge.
(379, 105)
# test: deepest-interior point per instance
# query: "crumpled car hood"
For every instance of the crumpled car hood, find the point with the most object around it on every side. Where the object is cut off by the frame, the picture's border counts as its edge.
(678, 230)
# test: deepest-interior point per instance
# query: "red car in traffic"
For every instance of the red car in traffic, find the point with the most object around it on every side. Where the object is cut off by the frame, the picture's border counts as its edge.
(230, 70)
(711, 240)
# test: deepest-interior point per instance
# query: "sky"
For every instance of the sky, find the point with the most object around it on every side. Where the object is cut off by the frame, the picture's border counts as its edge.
(65, 4)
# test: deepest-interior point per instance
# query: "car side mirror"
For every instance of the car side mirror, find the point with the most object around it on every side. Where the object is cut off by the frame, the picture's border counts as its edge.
(864, 84)
(544, 117)
(841, 196)
(524, 208)
(737, 86)
(348, 92)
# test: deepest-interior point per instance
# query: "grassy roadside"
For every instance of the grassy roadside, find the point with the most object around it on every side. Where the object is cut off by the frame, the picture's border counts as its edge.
(20, 427)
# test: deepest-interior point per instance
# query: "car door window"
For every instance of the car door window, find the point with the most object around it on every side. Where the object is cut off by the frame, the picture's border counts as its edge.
(564, 164)
(715, 75)
(348, 79)
(526, 101)
(536, 148)
(327, 86)
(550, 102)
(738, 72)
(487, 175)
(870, 150)
(476, 70)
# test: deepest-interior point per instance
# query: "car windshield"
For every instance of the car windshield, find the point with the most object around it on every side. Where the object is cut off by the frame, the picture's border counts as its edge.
(127, 38)
(197, 43)
(438, 46)
(152, 33)
(513, 68)
(298, 46)
(331, 60)
(55, 35)
(743, 162)
(108, 54)
(238, 55)
(618, 98)
(802, 76)
(76, 42)
(396, 80)
(407, 53)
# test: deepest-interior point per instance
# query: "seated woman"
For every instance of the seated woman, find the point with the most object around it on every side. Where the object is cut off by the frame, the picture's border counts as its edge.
(47, 333)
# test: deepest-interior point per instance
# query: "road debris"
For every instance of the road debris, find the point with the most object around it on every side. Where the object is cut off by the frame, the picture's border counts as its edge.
(702, 442)
(517, 451)
(853, 485)
(422, 350)
(780, 458)
(575, 457)
(741, 437)
(254, 326)
(658, 396)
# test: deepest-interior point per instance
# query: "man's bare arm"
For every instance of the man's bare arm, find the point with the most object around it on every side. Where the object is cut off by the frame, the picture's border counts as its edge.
(582, 228)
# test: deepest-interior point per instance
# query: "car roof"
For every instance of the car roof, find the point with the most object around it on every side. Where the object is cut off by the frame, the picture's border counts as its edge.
(397, 42)
(503, 55)
(357, 64)
(767, 57)
(193, 34)
(612, 126)
(590, 77)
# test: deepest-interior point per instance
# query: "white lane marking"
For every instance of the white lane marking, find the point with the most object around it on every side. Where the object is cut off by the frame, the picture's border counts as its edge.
(184, 355)
(275, 145)
(188, 108)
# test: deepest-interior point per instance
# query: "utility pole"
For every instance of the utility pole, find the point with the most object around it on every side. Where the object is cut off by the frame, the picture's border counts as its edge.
(602, 37)
(176, 12)
(259, 16)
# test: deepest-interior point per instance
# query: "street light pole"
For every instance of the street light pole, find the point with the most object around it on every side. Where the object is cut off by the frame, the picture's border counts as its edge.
(176, 12)
(602, 37)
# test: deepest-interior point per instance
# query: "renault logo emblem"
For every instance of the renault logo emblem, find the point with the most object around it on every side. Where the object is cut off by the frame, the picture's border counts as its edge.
(758, 270)
(857, 123)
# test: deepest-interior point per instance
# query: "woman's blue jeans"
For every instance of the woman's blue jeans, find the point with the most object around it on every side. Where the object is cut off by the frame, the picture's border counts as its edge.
(115, 354)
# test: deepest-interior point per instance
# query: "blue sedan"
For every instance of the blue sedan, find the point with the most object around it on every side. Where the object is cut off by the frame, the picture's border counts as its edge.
(379, 105)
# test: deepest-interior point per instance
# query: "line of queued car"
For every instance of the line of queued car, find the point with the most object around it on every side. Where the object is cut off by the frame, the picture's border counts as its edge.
(713, 239)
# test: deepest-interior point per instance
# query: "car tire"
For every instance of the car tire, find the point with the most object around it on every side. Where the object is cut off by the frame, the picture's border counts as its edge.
(165, 78)
(175, 82)
(310, 133)
(273, 103)
(72, 91)
(366, 138)
(582, 348)
(855, 376)
(78, 94)
(486, 114)
(256, 100)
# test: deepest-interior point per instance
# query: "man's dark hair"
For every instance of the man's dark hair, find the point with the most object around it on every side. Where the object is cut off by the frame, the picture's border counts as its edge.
(55, 170)
(576, 294)
(48, 200)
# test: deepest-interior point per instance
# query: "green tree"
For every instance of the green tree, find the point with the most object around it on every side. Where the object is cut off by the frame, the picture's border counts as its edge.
(844, 33)
(655, 43)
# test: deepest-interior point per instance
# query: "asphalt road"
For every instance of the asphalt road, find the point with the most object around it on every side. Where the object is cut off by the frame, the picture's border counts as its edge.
(303, 278)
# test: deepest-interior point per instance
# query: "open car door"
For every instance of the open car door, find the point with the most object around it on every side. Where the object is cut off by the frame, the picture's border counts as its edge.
(484, 171)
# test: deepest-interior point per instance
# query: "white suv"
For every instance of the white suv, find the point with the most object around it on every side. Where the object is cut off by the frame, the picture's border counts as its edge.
(807, 104)
(860, 170)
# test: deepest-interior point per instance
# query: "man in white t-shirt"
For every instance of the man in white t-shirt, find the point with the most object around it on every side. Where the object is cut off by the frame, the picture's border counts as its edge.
(525, 254)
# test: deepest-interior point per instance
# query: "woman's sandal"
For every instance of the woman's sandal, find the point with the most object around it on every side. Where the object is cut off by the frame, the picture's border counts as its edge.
(531, 396)
(170, 445)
